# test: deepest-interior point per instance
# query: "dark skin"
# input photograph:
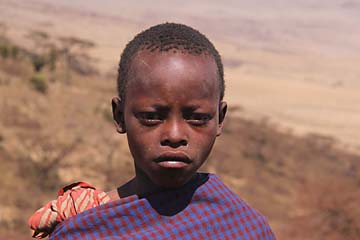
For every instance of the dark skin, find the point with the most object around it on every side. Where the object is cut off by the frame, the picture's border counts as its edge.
(172, 114)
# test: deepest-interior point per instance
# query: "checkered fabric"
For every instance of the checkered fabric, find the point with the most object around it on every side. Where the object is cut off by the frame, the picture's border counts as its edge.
(203, 209)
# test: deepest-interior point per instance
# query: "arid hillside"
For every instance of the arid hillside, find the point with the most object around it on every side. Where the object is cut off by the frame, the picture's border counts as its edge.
(295, 62)
(56, 128)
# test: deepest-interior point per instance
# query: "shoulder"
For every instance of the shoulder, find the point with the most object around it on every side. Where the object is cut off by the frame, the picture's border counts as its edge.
(240, 211)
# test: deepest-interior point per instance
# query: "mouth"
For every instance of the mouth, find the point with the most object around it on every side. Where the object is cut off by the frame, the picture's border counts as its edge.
(173, 161)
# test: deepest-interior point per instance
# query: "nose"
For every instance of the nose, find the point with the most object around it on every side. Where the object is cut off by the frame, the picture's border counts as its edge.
(174, 134)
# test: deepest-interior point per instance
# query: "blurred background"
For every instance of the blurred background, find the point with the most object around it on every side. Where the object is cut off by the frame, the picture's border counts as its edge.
(291, 144)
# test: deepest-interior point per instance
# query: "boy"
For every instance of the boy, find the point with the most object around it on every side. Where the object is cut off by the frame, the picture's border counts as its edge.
(171, 107)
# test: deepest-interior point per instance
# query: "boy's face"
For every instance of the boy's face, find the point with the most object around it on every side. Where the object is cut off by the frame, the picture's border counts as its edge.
(171, 114)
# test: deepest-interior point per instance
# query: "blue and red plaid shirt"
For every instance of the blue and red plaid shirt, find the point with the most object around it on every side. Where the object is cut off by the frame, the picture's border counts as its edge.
(203, 209)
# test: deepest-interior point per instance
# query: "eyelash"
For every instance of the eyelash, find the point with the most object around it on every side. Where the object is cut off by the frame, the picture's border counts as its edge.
(154, 118)
(198, 119)
(150, 118)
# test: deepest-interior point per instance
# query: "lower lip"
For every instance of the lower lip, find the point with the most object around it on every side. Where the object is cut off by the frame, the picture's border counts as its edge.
(172, 164)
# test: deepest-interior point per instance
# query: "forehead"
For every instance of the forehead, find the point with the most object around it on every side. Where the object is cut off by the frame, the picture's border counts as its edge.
(174, 71)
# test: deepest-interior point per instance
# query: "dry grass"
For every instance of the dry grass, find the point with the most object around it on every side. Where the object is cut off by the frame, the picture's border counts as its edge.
(330, 209)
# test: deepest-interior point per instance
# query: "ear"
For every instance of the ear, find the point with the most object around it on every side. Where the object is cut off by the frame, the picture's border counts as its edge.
(118, 114)
(222, 113)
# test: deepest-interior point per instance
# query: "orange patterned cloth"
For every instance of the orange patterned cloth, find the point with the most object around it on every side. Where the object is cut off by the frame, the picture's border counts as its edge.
(72, 199)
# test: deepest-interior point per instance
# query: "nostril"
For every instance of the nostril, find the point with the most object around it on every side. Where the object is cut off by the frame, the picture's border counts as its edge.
(183, 142)
(173, 144)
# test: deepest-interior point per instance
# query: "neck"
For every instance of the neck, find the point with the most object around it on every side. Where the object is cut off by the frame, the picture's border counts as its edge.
(143, 185)
(140, 185)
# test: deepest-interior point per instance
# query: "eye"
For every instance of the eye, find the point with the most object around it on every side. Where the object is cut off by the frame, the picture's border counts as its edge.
(198, 119)
(149, 118)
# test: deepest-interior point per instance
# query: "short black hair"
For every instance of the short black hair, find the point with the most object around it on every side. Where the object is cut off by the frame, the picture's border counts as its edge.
(166, 37)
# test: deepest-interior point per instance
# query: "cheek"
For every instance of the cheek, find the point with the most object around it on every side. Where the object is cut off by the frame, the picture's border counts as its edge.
(141, 143)
(204, 142)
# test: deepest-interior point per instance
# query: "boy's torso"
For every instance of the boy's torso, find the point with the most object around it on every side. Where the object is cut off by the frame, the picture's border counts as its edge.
(202, 209)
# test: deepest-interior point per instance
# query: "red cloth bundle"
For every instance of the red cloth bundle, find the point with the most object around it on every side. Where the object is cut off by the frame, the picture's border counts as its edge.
(72, 199)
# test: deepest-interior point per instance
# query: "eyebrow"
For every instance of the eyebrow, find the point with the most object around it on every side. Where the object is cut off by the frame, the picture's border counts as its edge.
(158, 106)
(191, 107)
(162, 107)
